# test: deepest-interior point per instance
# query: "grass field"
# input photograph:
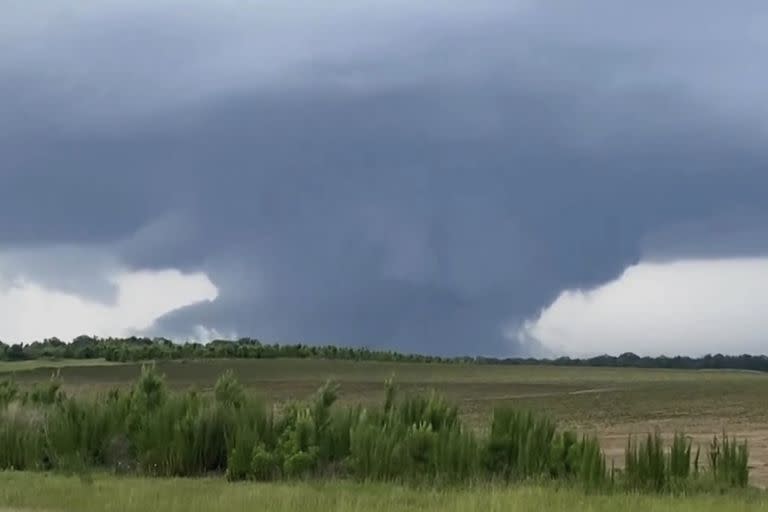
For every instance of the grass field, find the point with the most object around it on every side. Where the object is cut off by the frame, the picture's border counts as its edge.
(40, 492)
(35, 364)
(611, 402)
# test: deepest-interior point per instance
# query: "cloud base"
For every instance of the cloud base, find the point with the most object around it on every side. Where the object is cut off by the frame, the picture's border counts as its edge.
(691, 307)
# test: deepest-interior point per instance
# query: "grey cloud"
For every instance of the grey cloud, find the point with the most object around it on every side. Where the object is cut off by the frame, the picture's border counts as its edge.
(724, 234)
(395, 177)
(80, 270)
(119, 61)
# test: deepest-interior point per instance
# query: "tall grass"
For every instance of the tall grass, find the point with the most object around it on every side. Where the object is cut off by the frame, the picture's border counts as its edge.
(728, 461)
(417, 438)
(649, 465)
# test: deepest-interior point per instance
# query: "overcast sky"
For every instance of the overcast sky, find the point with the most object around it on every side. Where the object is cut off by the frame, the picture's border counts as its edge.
(498, 177)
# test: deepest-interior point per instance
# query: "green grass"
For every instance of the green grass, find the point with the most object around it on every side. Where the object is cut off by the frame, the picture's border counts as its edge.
(55, 493)
(23, 366)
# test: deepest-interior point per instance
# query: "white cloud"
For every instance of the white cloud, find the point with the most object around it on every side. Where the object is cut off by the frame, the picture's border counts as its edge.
(30, 311)
(203, 334)
(684, 307)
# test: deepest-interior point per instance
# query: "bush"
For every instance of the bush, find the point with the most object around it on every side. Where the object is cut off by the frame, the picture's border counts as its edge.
(586, 462)
(9, 391)
(264, 464)
(47, 394)
(729, 461)
(22, 445)
(149, 392)
(680, 458)
(228, 391)
(300, 464)
(521, 445)
(645, 464)
(376, 451)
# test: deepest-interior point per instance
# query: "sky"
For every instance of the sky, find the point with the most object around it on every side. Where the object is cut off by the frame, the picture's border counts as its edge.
(496, 177)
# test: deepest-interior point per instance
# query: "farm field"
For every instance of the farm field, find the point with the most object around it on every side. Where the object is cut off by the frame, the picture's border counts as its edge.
(34, 364)
(611, 402)
(27, 492)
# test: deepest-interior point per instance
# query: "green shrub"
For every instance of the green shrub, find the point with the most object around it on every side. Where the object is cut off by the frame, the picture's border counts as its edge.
(420, 448)
(520, 445)
(264, 464)
(376, 451)
(587, 463)
(456, 456)
(22, 444)
(432, 410)
(228, 391)
(645, 464)
(649, 466)
(300, 464)
(240, 458)
(47, 394)
(149, 392)
(729, 461)
(680, 458)
(9, 391)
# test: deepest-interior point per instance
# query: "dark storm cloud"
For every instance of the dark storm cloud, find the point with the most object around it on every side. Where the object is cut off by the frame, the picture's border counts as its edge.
(416, 181)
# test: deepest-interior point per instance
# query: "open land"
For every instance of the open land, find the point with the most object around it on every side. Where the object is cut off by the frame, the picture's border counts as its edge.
(611, 402)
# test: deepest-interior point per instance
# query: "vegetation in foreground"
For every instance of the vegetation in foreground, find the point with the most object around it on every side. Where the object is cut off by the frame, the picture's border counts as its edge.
(136, 349)
(416, 439)
(47, 492)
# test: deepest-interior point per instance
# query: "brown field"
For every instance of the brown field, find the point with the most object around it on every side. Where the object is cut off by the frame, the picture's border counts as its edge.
(612, 402)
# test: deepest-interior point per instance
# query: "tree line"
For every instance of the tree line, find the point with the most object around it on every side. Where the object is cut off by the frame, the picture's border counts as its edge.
(137, 349)
(630, 360)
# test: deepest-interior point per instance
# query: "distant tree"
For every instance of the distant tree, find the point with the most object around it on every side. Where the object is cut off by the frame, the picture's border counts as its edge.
(16, 353)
